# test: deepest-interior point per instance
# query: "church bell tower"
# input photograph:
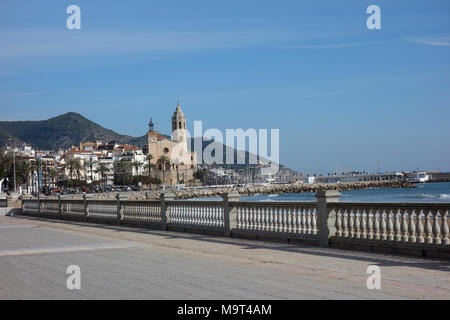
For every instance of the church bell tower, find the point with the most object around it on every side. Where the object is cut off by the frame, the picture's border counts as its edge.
(178, 124)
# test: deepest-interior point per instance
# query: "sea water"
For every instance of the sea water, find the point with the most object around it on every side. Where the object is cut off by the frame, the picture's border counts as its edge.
(424, 192)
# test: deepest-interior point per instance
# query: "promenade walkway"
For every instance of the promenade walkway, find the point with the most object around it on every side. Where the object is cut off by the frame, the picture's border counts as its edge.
(124, 262)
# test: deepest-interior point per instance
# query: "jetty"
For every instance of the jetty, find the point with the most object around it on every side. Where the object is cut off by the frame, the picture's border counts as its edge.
(249, 190)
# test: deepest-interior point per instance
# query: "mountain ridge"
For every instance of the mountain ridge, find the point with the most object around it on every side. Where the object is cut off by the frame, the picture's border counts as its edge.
(71, 128)
(61, 131)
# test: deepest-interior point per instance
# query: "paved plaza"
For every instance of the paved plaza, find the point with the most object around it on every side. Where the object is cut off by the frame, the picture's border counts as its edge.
(130, 263)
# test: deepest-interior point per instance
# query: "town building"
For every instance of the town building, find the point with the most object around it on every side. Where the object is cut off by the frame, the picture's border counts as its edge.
(174, 161)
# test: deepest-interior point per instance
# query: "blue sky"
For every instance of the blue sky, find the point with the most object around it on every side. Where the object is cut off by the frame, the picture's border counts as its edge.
(342, 95)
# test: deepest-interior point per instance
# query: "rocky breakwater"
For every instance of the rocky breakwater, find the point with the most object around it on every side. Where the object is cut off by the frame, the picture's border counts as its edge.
(290, 188)
(250, 190)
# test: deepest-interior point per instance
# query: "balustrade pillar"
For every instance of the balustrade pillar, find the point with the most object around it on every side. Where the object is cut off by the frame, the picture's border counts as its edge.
(40, 204)
(326, 218)
(230, 212)
(119, 198)
(60, 206)
(86, 198)
(165, 208)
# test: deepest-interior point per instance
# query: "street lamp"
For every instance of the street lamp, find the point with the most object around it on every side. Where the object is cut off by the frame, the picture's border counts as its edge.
(14, 168)
(14, 163)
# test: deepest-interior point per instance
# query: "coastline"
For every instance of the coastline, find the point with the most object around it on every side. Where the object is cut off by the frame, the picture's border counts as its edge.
(250, 190)
(290, 188)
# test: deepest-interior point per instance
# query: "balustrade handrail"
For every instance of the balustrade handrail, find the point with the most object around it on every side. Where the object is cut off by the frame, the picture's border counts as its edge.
(388, 205)
(326, 220)
(274, 203)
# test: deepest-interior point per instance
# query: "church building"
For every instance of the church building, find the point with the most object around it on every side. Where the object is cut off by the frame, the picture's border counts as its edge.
(174, 162)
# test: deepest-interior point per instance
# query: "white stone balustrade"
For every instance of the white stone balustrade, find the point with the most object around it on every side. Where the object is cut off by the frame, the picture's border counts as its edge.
(325, 221)
(197, 214)
(282, 217)
(402, 222)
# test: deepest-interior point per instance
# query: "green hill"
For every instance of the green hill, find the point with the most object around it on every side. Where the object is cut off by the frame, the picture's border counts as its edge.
(69, 129)
(61, 132)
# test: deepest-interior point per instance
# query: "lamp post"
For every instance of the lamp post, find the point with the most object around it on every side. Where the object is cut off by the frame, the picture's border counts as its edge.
(14, 168)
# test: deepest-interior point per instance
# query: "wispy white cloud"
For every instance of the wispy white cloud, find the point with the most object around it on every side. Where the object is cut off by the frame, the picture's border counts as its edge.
(326, 46)
(438, 42)
(80, 42)
(19, 94)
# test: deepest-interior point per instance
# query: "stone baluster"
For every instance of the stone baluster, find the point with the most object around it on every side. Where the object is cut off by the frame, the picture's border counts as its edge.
(288, 220)
(303, 220)
(338, 223)
(436, 228)
(345, 223)
(308, 222)
(444, 228)
(363, 224)
(351, 223)
(419, 227)
(383, 224)
(428, 227)
(370, 224)
(314, 222)
(357, 226)
(271, 221)
(390, 225)
(412, 227)
(376, 221)
(404, 231)
(266, 214)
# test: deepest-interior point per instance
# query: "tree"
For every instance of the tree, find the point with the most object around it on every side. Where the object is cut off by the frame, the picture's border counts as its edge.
(77, 167)
(89, 164)
(137, 165)
(123, 169)
(149, 167)
(163, 160)
(53, 174)
(70, 165)
(177, 163)
(38, 169)
(102, 169)
(28, 171)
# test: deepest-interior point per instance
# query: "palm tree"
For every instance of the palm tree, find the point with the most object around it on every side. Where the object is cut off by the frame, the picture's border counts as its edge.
(53, 174)
(137, 165)
(163, 160)
(70, 165)
(38, 167)
(178, 163)
(89, 164)
(102, 169)
(149, 167)
(28, 171)
(149, 158)
(77, 167)
(123, 169)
